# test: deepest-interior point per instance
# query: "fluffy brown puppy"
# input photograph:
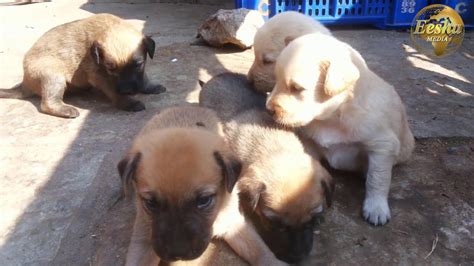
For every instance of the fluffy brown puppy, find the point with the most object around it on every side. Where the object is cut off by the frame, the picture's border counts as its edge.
(185, 116)
(230, 94)
(270, 40)
(184, 178)
(284, 187)
(354, 115)
(102, 51)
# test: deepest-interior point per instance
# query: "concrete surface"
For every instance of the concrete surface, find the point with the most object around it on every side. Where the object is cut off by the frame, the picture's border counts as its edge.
(59, 190)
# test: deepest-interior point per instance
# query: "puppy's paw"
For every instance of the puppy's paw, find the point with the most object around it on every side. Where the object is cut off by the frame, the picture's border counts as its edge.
(67, 111)
(153, 88)
(376, 210)
(134, 106)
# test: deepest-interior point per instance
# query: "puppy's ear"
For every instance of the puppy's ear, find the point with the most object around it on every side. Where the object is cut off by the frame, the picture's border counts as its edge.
(149, 46)
(97, 52)
(251, 190)
(327, 183)
(340, 75)
(230, 170)
(127, 168)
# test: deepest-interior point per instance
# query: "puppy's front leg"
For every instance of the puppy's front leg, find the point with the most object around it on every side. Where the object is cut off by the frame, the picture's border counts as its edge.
(140, 251)
(246, 242)
(376, 210)
(242, 236)
(122, 102)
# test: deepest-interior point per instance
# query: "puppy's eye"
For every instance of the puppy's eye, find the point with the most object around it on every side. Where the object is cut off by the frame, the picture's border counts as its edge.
(150, 204)
(139, 64)
(317, 210)
(111, 69)
(203, 202)
(273, 222)
(267, 61)
(295, 88)
(278, 226)
(110, 66)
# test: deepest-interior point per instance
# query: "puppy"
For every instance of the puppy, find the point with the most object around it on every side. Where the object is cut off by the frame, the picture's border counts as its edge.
(185, 116)
(230, 94)
(184, 177)
(102, 51)
(284, 189)
(270, 40)
(352, 113)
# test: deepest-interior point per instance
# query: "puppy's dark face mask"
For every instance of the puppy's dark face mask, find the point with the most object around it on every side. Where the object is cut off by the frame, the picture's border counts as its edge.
(289, 241)
(128, 77)
(182, 231)
(181, 225)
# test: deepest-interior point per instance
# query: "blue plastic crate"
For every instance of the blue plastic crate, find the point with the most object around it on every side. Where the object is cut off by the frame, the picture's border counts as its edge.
(384, 13)
(465, 8)
(403, 13)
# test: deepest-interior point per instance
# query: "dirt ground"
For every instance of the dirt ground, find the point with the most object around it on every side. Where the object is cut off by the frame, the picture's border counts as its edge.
(60, 192)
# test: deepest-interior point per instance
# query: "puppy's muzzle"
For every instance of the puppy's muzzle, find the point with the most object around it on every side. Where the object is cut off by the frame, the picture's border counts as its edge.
(293, 245)
(173, 243)
(130, 86)
(274, 110)
(172, 251)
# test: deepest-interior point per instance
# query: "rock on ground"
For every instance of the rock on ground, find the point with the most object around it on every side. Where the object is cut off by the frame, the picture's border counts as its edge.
(236, 26)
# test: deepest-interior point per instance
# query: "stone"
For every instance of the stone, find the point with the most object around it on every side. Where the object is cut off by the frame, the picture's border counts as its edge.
(236, 26)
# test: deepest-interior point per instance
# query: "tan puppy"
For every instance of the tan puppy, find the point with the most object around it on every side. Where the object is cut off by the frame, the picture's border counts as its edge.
(102, 51)
(270, 40)
(184, 181)
(185, 116)
(345, 108)
(284, 188)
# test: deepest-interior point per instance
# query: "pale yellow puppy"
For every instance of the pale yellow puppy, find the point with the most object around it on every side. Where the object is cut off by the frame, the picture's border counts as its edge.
(270, 40)
(352, 113)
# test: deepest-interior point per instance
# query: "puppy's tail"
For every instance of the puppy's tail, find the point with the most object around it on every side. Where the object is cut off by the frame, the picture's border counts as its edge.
(17, 92)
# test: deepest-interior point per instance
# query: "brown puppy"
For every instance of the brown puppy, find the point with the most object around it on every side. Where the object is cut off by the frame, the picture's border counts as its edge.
(185, 116)
(230, 94)
(282, 187)
(102, 51)
(184, 177)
